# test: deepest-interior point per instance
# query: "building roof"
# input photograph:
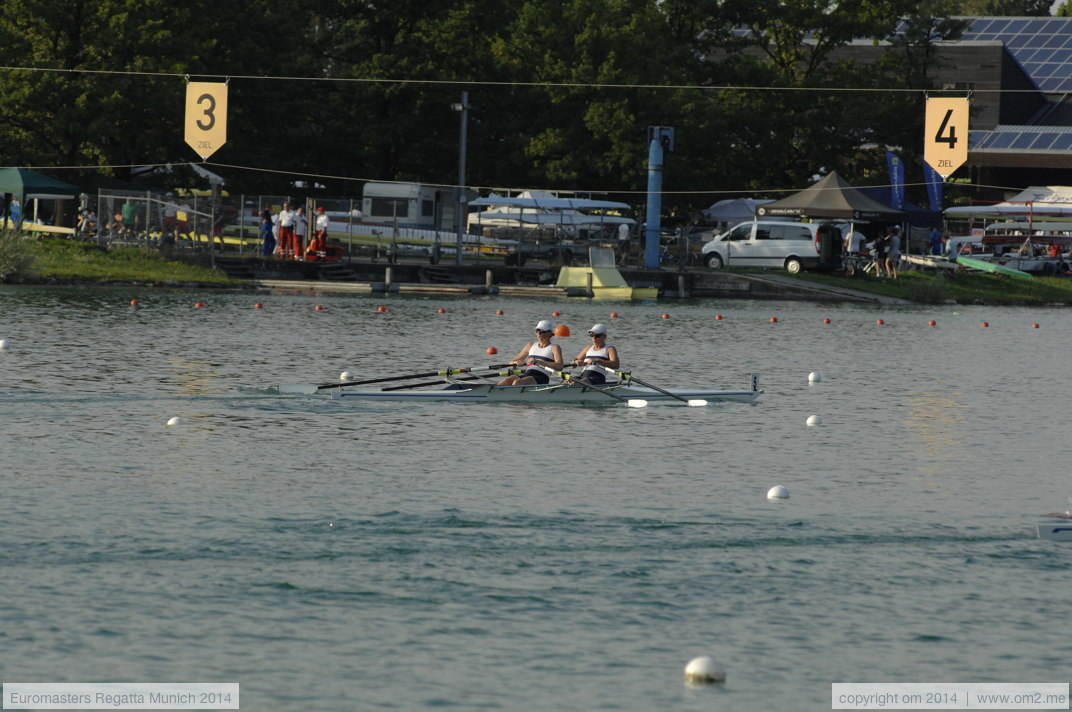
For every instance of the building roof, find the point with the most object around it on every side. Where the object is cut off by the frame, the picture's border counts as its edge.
(1041, 45)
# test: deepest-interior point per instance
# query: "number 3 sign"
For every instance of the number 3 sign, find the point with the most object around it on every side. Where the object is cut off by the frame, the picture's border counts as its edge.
(945, 135)
(206, 117)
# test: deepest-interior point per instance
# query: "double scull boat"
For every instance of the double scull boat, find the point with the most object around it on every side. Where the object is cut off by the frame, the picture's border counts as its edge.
(565, 393)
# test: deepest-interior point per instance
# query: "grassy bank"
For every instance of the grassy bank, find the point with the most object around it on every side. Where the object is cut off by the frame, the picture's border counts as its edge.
(962, 287)
(62, 260)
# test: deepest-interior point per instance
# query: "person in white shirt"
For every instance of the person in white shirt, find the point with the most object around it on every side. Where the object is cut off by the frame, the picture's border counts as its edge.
(301, 227)
(598, 353)
(541, 351)
(170, 209)
(286, 232)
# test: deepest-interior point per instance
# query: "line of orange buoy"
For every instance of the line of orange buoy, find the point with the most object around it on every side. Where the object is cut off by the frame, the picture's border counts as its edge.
(319, 307)
(381, 308)
(258, 305)
(198, 305)
(441, 310)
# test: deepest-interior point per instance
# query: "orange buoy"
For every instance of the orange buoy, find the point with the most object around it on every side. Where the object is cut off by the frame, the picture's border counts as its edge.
(198, 305)
(556, 314)
(1035, 325)
(318, 308)
(774, 320)
(826, 320)
(665, 316)
(985, 324)
(381, 308)
(932, 322)
(133, 302)
(718, 317)
(441, 310)
(491, 351)
(614, 315)
(258, 305)
(880, 322)
(498, 312)
(561, 330)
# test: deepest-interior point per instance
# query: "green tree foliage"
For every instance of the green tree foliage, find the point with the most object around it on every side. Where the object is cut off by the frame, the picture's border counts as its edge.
(562, 90)
(1005, 8)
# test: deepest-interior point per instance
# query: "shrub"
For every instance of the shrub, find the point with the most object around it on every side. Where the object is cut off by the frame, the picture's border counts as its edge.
(16, 257)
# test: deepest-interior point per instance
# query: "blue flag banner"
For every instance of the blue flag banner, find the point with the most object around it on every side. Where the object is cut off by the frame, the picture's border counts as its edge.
(935, 183)
(896, 180)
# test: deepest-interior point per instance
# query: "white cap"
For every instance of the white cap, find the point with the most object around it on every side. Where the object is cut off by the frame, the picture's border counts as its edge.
(598, 329)
(545, 325)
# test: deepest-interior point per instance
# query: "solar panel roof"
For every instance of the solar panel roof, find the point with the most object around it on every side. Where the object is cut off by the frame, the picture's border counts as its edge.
(1042, 46)
(1022, 138)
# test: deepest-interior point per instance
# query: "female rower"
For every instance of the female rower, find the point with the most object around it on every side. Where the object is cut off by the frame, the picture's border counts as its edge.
(540, 351)
(596, 353)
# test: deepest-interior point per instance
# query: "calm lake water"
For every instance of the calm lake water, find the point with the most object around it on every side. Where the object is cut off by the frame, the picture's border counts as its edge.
(331, 555)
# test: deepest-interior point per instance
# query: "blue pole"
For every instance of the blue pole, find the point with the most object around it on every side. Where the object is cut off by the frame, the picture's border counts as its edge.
(655, 202)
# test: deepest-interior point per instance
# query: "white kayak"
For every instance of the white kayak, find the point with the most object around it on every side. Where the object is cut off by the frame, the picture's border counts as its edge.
(558, 393)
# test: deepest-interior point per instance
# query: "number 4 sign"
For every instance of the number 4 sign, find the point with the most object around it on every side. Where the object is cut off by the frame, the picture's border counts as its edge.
(945, 135)
(206, 117)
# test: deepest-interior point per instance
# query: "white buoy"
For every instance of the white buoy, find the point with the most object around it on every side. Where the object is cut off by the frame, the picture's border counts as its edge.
(4, 343)
(778, 492)
(815, 377)
(176, 420)
(814, 420)
(346, 376)
(705, 670)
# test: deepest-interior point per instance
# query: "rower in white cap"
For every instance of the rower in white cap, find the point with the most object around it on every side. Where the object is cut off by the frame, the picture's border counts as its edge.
(597, 353)
(540, 351)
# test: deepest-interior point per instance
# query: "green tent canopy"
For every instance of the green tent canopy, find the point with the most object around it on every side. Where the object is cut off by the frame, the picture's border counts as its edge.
(27, 184)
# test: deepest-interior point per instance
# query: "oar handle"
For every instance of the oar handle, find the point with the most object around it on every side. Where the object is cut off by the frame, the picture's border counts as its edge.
(568, 378)
(629, 377)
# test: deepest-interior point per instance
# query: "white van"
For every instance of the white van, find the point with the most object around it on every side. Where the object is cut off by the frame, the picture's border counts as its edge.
(771, 243)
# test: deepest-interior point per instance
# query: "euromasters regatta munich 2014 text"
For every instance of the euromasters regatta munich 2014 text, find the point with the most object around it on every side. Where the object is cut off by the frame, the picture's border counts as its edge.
(101, 698)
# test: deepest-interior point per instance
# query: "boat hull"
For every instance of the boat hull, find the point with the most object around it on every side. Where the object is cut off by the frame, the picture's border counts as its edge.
(556, 394)
(991, 267)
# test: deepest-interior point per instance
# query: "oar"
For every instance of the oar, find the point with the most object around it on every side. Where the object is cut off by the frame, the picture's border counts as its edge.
(431, 383)
(627, 377)
(308, 389)
(568, 378)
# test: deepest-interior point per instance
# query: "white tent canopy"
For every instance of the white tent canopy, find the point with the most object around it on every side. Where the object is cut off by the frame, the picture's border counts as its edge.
(734, 210)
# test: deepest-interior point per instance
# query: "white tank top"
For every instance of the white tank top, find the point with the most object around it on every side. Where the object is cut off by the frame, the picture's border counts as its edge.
(542, 353)
(597, 353)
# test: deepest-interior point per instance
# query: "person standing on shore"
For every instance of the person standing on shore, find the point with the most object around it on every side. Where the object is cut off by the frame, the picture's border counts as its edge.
(893, 251)
(267, 237)
(286, 231)
(301, 227)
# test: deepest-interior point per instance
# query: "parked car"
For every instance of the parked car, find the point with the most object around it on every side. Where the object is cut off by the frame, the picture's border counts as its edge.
(777, 244)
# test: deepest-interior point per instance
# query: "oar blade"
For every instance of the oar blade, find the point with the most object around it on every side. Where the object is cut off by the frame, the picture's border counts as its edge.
(636, 403)
(696, 402)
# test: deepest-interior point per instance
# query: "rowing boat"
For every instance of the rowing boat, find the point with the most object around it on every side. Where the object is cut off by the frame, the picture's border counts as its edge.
(991, 267)
(558, 393)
